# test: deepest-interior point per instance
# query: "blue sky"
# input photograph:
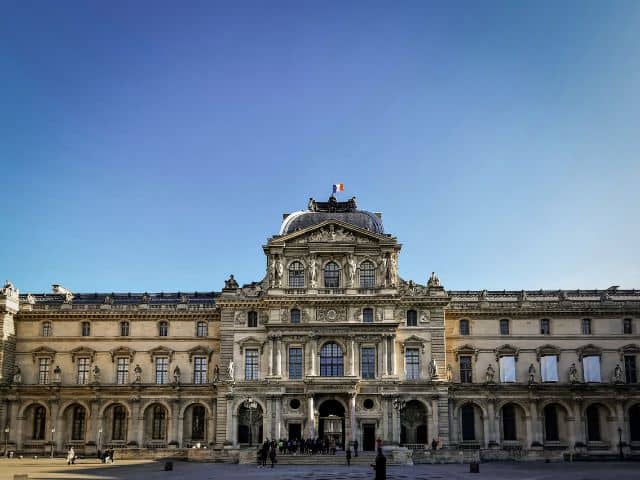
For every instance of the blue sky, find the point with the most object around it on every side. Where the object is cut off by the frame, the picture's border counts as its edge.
(153, 146)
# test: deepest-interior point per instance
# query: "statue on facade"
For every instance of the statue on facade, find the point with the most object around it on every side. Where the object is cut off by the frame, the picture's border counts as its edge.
(483, 296)
(230, 370)
(351, 270)
(31, 300)
(433, 369)
(230, 283)
(449, 373)
(312, 205)
(216, 374)
(313, 272)
(96, 373)
(57, 374)
(573, 373)
(532, 374)
(17, 375)
(176, 375)
(138, 374)
(489, 376)
(394, 270)
(618, 375)
(276, 271)
(433, 281)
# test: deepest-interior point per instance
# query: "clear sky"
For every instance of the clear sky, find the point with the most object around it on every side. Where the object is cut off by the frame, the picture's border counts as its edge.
(153, 146)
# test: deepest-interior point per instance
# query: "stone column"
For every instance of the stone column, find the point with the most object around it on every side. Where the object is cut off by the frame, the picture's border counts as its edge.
(385, 356)
(578, 430)
(270, 355)
(18, 426)
(395, 421)
(392, 354)
(352, 345)
(180, 434)
(234, 429)
(533, 421)
(172, 432)
(435, 418)
(486, 429)
(277, 402)
(352, 412)
(314, 353)
(311, 417)
(626, 435)
(453, 423)
(229, 417)
(211, 423)
(280, 346)
(491, 414)
(139, 420)
(96, 423)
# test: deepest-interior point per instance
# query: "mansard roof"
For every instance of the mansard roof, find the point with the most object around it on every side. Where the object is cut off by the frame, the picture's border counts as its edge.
(96, 299)
(318, 212)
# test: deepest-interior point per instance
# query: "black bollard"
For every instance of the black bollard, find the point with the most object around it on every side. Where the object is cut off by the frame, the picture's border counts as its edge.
(168, 466)
(474, 467)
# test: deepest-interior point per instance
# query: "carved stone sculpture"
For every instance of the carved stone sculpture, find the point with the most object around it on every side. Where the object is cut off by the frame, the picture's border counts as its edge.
(96, 373)
(532, 374)
(433, 369)
(230, 370)
(351, 270)
(138, 374)
(230, 283)
(313, 272)
(17, 375)
(449, 373)
(57, 374)
(216, 374)
(433, 281)
(489, 376)
(618, 375)
(573, 374)
(176, 375)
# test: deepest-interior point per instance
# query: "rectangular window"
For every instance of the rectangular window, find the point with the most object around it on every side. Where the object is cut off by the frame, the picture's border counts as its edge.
(162, 370)
(412, 318)
(627, 326)
(122, 371)
(43, 371)
(251, 364)
(200, 370)
(252, 319)
(83, 371)
(202, 329)
(466, 373)
(367, 315)
(46, 329)
(549, 368)
(295, 362)
(368, 362)
(545, 328)
(124, 329)
(586, 326)
(630, 371)
(86, 329)
(412, 363)
(507, 369)
(591, 369)
(163, 329)
(504, 327)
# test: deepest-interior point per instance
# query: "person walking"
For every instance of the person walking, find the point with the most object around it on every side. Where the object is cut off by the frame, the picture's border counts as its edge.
(272, 456)
(355, 447)
(71, 456)
(348, 455)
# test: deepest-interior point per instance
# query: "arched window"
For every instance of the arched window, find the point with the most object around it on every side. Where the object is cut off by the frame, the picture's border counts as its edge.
(509, 422)
(593, 423)
(86, 329)
(367, 275)
(157, 431)
(202, 329)
(163, 328)
(77, 427)
(296, 275)
(252, 319)
(367, 315)
(295, 315)
(331, 361)
(124, 329)
(332, 275)
(39, 420)
(46, 329)
(464, 327)
(119, 423)
(197, 423)
(468, 419)
(412, 318)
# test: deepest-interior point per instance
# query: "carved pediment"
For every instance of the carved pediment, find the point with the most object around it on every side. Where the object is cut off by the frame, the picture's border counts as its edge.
(82, 352)
(251, 342)
(160, 352)
(43, 352)
(466, 350)
(122, 352)
(200, 351)
(414, 341)
(332, 231)
(506, 350)
(588, 351)
(629, 349)
(546, 350)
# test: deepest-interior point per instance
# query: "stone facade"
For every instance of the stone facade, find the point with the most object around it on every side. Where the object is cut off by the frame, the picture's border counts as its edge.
(332, 343)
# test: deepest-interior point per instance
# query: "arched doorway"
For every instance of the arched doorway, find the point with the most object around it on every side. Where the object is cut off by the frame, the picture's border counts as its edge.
(471, 423)
(555, 422)
(634, 423)
(194, 425)
(331, 422)
(250, 429)
(513, 426)
(413, 423)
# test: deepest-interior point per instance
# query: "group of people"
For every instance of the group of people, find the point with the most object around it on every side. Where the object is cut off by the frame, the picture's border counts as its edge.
(267, 450)
(106, 456)
(310, 446)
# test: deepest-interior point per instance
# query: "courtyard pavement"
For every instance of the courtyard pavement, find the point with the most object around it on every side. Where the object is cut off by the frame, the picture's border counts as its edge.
(143, 470)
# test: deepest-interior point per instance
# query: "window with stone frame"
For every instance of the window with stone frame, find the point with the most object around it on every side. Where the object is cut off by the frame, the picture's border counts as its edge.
(46, 329)
(159, 423)
(549, 368)
(504, 326)
(466, 370)
(507, 365)
(331, 275)
(252, 319)
(124, 329)
(368, 362)
(630, 370)
(199, 370)
(78, 422)
(119, 423)
(44, 366)
(627, 326)
(586, 326)
(412, 363)
(296, 275)
(591, 369)
(295, 363)
(412, 318)
(202, 329)
(367, 315)
(82, 377)
(464, 327)
(367, 275)
(86, 329)
(162, 370)
(545, 326)
(198, 417)
(295, 315)
(163, 329)
(39, 423)
(251, 366)
(122, 370)
(331, 360)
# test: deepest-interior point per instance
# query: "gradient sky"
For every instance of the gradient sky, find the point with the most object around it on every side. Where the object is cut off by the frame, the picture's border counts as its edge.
(153, 146)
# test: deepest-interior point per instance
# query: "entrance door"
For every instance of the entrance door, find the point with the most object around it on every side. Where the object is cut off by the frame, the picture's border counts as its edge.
(331, 422)
(368, 437)
(295, 431)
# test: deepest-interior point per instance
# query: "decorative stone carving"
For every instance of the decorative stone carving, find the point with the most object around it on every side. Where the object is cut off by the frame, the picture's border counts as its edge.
(108, 300)
(276, 271)
(490, 374)
(483, 296)
(96, 374)
(331, 314)
(332, 234)
(351, 271)
(137, 374)
(17, 375)
(449, 373)
(145, 298)
(573, 374)
(313, 271)
(433, 369)
(240, 318)
(216, 374)
(176, 375)
(562, 296)
(57, 374)
(230, 283)
(618, 374)
(8, 289)
(31, 300)
(433, 281)
(230, 369)
(532, 374)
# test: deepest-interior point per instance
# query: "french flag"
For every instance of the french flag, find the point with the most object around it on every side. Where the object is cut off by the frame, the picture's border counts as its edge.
(338, 187)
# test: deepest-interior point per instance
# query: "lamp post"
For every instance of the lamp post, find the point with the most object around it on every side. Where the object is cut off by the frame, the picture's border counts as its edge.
(53, 430)
(250, 404)
(620, 443)
(399, 405)
(6, 440)
(99, 440)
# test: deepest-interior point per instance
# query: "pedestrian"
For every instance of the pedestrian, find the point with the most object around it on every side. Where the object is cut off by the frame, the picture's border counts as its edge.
(272, 456)
(71, 456)
(348, 454)
(355, 448)
(434, 444)
(113, 458)
(380, 466)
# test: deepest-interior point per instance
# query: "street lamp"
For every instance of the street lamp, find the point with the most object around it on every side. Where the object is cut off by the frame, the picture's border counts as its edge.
(250, 404)
(399, 405)
(99, 439)
(620, 443)
(6, 440)
(53, 430)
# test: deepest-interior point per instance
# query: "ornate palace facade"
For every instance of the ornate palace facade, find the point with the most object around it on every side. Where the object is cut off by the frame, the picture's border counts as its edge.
(331, 343)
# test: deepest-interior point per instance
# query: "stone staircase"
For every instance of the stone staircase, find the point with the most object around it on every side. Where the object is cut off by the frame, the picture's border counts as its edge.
(363, 458)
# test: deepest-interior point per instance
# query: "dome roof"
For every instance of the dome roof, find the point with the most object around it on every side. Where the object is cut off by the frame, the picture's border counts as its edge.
(332, 210)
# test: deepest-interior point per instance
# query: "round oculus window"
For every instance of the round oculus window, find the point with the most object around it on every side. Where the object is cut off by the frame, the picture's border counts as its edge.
(294, 404)
(368, 404)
